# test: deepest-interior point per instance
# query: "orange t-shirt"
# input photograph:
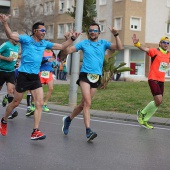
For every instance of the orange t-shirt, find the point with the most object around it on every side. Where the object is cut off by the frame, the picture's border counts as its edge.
(159, 66)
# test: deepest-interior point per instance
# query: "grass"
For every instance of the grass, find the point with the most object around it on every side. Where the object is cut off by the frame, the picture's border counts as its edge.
(123, 97)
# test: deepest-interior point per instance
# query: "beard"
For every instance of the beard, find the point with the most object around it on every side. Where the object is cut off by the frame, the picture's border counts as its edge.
(93, 38)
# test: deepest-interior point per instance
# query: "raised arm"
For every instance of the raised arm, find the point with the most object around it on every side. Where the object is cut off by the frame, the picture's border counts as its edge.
(9, 33)
(138, 44)
(118, 45)
(74, 36)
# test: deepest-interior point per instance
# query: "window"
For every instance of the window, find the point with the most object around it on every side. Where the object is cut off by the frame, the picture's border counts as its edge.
(135, 23)
(69, 5)
(68, 27)
(102, 2)
(50, 32)
(117, 0)
(15, 12)
(118, 23)
(49, 8)
(101, 24)
(61, 31)
(61, 6)
(168, 28)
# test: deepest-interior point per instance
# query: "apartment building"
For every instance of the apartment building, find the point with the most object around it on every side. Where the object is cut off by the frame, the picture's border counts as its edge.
(149, 19)
(4, 8)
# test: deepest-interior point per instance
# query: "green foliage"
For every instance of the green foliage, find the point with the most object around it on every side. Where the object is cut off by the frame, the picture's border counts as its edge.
(109, 69)
(89, 13)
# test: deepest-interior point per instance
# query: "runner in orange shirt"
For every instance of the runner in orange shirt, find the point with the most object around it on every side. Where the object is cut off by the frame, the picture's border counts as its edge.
(160, 58)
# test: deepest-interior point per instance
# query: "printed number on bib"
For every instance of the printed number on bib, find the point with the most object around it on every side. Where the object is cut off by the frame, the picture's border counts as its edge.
(93, 78)
(45, 74)
(163, 67)
(14, 55)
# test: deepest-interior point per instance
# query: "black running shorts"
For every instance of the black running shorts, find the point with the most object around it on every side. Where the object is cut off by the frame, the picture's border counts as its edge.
(83, 77)
(27, 81)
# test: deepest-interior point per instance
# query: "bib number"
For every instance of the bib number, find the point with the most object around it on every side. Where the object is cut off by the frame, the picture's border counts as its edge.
(93, 78)
(14, 55)
(163, 67)
(45, 74)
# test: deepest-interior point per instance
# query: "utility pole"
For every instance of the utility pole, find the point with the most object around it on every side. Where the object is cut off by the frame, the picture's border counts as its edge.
(75, 64)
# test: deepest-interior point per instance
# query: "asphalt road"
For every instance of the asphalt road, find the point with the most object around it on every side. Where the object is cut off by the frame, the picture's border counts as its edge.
(119, 145)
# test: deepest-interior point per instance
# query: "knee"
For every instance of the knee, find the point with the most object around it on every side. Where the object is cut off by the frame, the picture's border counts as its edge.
(87, 104)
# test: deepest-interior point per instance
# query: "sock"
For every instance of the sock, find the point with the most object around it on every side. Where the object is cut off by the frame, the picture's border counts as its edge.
(45, 103)
(68, 119)
(10, 98)
(35, 130)
(149, 110)
(88, 130)
(29, 99)
(3, 121)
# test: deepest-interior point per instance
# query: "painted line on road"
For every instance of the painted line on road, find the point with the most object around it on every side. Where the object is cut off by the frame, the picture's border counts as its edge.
(101, 121)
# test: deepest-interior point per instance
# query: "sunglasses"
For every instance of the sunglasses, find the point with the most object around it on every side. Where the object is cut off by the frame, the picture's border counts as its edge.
(165, 42)
(42, 30)
(91, 30)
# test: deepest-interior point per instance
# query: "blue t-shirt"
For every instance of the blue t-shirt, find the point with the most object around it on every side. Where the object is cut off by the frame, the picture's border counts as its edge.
(32, 53)
(93, 55)
(48, 66)
(7, 49)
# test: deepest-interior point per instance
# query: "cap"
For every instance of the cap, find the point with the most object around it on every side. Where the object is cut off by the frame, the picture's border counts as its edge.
(165, 39)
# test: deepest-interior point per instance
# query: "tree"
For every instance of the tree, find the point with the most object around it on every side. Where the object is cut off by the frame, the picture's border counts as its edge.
(89, 13)
(109, 70)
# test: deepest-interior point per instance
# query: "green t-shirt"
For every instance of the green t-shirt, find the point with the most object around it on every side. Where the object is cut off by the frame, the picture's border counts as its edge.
(7, 49)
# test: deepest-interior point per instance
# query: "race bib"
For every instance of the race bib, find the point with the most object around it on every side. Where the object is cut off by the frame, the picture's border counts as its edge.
(93, 78)
(45, 74)
(14, 55)
(163, 67)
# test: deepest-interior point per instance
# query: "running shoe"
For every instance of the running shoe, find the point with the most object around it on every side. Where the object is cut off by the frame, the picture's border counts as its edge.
(45, 108)
(140, 117)
(90, 135)
(3, 129)
(13, 115)
(37, 135)
(32, 108)
(146, 125)
(29, 112)
(4, 101)
(66, 124)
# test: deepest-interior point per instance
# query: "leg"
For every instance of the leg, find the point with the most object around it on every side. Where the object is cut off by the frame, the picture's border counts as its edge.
(48, 95)
(10, 107)
(87, 93)
(38, 100)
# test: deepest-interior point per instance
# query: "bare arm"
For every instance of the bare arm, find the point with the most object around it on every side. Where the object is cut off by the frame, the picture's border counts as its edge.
(9, 33)
(66, 43)
(138, 45)
(6, 58)
(118, 45)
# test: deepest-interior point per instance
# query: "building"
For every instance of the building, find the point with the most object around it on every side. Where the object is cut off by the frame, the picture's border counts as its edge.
(149, 19)
(4, 8)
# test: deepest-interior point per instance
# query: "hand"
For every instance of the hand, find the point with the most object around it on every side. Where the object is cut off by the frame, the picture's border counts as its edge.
(10, 58)
(135, 39)
(67, 35)
(113, 30)
(4, 18)
(75, 35)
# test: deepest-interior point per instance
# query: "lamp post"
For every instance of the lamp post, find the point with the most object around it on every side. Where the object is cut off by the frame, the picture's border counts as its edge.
(76, 56)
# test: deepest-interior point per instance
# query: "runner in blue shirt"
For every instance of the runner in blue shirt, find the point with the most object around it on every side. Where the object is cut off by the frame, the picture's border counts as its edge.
(32, 52)
(90, 73)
